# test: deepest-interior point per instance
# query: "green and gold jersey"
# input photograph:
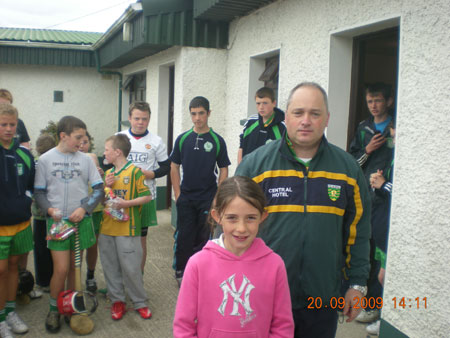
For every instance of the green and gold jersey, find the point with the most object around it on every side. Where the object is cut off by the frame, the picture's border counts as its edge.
(129, 185)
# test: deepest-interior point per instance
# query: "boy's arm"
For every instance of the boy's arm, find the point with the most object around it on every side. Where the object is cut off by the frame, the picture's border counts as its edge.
(163, 170)
(95, 198)
(175, 178)
(223, 174)
(121, 203)
(240, 151)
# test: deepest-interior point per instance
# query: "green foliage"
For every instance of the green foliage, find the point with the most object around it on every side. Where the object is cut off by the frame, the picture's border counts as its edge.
(50, 129)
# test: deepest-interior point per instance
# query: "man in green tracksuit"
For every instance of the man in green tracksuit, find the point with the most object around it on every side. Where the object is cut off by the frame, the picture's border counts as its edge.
(319, 213)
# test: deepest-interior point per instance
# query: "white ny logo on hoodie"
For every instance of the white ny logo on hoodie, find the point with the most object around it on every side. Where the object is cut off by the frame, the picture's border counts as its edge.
(228, 287)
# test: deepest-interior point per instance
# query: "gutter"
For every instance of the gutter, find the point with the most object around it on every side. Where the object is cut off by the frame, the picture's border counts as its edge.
(119, 113)
(52, 45)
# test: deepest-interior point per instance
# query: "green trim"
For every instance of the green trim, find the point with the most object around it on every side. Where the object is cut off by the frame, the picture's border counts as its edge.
(250, 129)
(186, 134)
(216, 139)
(24, 157)
(363, 135)
(276, 132)
(123, 168)
(389, 331)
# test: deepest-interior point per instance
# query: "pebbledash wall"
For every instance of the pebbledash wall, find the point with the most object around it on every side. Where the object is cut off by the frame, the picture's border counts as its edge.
(86, 94)
(314, 41)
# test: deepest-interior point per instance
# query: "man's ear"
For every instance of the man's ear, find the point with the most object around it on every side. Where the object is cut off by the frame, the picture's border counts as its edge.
(209, 113)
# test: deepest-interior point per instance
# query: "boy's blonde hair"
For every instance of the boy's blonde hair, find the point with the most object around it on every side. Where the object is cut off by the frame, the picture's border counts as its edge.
(6, 94)
(8, 109)
(121, 142)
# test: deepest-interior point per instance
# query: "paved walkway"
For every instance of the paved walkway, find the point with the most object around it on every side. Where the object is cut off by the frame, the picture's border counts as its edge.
(162, 290)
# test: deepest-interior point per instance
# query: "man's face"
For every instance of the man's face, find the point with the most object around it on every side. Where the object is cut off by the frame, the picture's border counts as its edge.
(8, 124)
(199, 117)
(139, 121)
(3, 100)
(377, 104)
(265, 107)
(306, 118)
(72, 142)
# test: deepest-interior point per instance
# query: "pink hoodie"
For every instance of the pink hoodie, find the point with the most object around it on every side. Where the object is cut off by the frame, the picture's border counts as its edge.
(223, 295)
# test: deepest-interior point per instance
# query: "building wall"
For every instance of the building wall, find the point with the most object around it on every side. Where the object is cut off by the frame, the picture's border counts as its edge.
(420, 229)
(87, 95)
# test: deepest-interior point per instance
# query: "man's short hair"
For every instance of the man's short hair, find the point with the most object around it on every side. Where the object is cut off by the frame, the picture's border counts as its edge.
(6, 94)
(140, 105)
(121, 142)
(68, 124)
(8, 109)
(379, 88)
(44, 143)
(308, 84)
(265, 92)
(199, 101)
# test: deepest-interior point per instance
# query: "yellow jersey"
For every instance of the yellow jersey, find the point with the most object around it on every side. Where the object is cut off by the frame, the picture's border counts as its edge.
(129, 184)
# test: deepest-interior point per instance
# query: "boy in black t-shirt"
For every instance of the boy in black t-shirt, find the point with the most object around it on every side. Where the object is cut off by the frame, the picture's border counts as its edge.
(203, 155)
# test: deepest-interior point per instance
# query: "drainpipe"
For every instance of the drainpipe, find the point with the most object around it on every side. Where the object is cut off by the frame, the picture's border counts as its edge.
(107, 72)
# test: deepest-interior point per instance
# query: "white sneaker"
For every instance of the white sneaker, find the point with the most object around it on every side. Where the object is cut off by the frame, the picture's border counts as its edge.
(374, 328)
(5, 332)
(16, 323)
(368, 316)
(35, 293)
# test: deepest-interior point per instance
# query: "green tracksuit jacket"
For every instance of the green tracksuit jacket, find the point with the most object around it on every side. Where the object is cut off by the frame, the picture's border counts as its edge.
(319, 217)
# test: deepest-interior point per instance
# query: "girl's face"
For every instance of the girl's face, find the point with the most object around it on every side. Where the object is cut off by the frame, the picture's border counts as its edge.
(85, 144)
(240, 223)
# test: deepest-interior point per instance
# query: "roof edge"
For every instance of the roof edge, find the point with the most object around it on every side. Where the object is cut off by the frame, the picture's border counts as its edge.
(129, 13)
(45, 45)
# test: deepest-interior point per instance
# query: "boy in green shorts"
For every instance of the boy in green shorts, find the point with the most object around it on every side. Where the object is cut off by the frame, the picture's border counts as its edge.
(61, 189)
(16, 178)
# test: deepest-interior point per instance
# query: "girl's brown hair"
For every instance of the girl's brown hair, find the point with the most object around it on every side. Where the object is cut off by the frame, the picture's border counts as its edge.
(238, 186)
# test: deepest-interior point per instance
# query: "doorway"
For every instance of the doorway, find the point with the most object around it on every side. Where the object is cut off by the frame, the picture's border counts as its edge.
(375, 59)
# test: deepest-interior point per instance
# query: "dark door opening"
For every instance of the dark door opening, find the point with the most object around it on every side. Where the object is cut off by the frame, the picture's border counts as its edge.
(375, 59)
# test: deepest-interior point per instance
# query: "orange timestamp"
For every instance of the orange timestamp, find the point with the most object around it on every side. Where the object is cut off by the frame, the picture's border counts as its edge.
(339, 303)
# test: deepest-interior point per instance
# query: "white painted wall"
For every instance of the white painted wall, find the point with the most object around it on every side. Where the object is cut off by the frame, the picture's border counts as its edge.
(87, 95)
(420, 228)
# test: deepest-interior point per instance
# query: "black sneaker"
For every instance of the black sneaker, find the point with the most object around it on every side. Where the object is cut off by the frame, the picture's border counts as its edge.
(91, 285)
(52, 323)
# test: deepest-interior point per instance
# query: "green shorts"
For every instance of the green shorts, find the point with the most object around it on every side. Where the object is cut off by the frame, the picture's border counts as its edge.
(97, 218)
(86, 233)
(148, 214)
(18, 244)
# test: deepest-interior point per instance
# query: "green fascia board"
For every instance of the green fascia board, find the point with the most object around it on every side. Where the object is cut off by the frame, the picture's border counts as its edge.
(154, 33)
(226, 10)
(46, 56)
(181, 29)
(156, 7)
(49, 36)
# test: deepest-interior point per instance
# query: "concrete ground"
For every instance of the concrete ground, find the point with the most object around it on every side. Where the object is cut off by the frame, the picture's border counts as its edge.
(162, 290)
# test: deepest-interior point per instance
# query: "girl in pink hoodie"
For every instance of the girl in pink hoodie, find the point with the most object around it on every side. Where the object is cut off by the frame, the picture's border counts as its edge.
(236, 286)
